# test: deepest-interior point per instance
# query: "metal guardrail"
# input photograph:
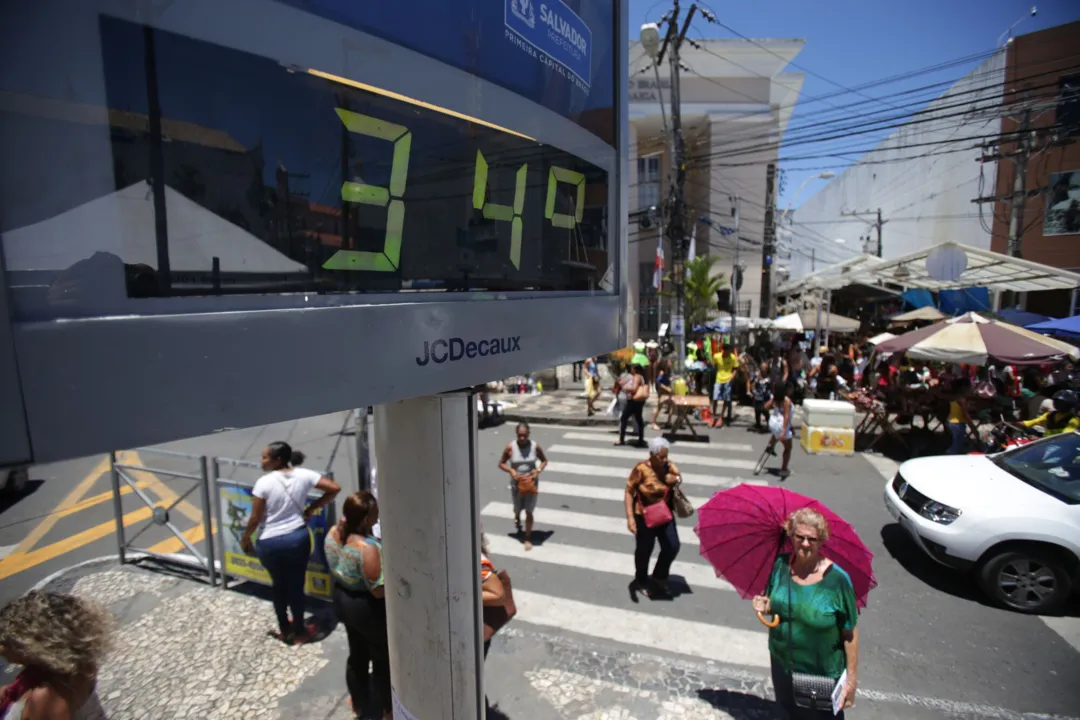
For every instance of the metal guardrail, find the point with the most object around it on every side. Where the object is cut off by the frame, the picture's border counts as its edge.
(120, 473)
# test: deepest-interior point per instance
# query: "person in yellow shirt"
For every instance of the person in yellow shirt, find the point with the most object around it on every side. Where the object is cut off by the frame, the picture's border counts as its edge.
(726, 362)
(1062, 419)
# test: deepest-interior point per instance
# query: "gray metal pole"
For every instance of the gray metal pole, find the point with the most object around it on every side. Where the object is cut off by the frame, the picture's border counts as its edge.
(428, 467)
(118, 508)
(363, 448)
(208, 523)
(215, 473)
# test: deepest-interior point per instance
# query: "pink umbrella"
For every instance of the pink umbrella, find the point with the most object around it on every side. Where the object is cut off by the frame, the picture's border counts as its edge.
(742, 533)
(972, 338)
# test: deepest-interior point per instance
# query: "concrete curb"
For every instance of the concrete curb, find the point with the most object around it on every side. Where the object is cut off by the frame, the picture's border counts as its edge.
(130, 558)
(103, 560)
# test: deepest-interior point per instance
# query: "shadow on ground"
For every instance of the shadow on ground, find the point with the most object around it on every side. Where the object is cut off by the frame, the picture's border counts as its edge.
(9, 500)
(741, 706)
(318, 612)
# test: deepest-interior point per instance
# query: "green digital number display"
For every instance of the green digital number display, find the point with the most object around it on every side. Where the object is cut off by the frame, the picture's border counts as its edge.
(389, 197)
(308, 181)
(388, 259)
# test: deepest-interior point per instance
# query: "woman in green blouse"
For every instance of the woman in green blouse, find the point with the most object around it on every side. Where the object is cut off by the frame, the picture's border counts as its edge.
(354, 556)
(815, 602)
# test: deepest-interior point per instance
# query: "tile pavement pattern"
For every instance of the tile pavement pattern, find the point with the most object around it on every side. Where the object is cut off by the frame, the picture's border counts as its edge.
(185, 650)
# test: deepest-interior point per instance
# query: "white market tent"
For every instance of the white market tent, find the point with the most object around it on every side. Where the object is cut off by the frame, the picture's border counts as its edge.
(835, 276)
(878, 339)
(807, 320)
(924, 313)
(991, 270)
(122, 223)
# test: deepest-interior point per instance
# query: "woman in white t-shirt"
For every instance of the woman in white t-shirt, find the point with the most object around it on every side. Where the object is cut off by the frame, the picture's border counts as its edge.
(280, 512)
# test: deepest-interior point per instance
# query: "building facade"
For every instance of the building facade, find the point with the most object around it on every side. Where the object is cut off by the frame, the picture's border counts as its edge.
(919, 181)
(1042, 77)
(737, 100)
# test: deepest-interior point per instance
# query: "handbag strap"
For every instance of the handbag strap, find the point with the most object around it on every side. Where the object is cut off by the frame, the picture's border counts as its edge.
(288, 495)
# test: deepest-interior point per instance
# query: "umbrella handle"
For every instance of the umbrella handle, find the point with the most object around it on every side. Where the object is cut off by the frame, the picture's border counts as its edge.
(769, 623)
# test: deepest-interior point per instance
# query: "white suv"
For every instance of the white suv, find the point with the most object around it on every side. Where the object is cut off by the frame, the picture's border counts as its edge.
(1012, 517)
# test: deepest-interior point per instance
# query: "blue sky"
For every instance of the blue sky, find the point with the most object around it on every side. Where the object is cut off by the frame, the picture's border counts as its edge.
(853, 42)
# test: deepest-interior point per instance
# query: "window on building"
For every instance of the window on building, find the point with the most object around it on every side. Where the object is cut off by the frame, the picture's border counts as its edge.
(648, 301)
(648, 176)
(1068, 109)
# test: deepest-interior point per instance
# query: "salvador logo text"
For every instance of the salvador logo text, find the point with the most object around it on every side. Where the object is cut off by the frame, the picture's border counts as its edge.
(455, 348)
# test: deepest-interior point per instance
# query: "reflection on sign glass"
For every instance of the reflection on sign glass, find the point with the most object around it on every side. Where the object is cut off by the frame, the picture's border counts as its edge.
(282, 179)
(558, 53)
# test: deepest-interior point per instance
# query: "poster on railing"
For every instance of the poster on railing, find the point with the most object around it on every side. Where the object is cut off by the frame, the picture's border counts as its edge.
(235, 502)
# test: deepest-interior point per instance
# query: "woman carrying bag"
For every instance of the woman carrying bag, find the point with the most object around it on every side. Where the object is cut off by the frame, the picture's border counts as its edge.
(497, 595)
(652, 498)
(637, 392)
(814, 639)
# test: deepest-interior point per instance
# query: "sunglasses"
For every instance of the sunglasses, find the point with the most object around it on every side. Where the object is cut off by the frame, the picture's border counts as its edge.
(806, 538)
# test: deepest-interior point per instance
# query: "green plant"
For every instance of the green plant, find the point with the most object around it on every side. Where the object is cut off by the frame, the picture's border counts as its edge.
(699, 297)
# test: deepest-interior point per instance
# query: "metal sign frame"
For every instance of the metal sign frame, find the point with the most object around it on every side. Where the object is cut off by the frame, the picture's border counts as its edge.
(209, 364)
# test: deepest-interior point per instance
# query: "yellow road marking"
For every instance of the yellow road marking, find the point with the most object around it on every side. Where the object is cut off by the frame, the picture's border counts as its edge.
(17, 563)
(166, 493)
(103, 497)
(47, 523)
(173, 545)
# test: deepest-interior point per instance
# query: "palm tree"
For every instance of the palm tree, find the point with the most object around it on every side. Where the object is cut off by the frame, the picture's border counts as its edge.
(699, 297)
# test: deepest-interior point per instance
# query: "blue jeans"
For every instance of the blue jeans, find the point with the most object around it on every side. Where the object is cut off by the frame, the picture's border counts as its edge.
(722, 392)
(285, 557)
(959, 438)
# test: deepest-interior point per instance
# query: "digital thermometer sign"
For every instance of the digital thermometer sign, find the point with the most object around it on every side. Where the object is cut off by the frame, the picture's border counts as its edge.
(348, 186)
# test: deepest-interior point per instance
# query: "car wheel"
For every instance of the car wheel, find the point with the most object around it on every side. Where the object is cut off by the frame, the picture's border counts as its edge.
(1030, 581)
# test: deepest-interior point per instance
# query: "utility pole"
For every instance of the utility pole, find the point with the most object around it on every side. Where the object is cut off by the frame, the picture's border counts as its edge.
(877, 223)
(813, 260)
(677, 218)
(736, 270)
(1025, 138)
(1019, 194)
(768, 247)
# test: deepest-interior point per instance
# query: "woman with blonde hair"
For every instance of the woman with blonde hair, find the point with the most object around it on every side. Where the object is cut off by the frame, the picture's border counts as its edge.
(816, 640)
(60, 640)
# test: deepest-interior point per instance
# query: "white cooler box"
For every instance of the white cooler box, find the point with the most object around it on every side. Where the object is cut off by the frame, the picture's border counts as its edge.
(828, 414)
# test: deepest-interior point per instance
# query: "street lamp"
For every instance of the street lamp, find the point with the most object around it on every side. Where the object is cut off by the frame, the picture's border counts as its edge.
(827, 175)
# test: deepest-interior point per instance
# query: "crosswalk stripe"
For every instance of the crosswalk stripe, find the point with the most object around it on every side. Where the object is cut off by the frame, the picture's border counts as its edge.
(719, 446)
(593, 492)
(580, 521)
(639, 455)
(684, 637)
(718, 481)
(697, 575)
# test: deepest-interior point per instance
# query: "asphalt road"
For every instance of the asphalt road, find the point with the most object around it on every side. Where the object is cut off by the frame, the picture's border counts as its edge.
(928, 638)
(928, 635)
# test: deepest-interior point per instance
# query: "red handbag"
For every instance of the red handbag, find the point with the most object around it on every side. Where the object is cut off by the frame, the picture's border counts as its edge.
(658, 513)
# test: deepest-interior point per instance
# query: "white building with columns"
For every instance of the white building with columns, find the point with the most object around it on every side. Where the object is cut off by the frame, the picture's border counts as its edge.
(737, 100)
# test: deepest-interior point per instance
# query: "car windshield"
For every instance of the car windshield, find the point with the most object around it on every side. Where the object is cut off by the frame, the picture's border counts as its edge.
(1052, 466)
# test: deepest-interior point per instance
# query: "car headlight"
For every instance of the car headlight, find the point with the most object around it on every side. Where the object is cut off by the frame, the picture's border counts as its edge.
(939, 513)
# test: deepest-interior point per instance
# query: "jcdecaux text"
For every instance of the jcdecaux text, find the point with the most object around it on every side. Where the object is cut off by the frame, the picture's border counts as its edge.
(455, 348)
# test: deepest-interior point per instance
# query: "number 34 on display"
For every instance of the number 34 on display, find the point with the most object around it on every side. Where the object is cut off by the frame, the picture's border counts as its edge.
(388, 260)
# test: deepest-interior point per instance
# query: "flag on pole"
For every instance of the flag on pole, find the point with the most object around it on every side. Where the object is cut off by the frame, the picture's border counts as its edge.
(658, 265)
(692, 252)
